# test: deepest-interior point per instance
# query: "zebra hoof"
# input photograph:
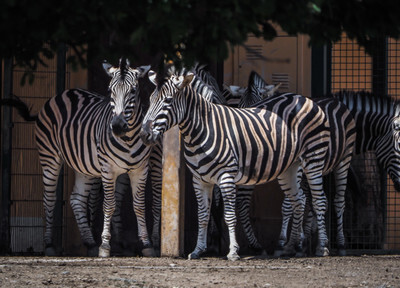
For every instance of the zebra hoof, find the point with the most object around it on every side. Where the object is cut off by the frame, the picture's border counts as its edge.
(278, 253)
(50, 251)
(257, 249)
(92, 251)
(233, 257)
(193, 256)
(289, 251)
(148, 252)
(322, 252)
(342, 252)
(104, 251)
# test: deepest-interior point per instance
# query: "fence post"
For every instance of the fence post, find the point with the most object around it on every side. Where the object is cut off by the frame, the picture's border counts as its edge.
(58, 210)
(172, 212)
(6, 130)
(380, 87)
(320, 70)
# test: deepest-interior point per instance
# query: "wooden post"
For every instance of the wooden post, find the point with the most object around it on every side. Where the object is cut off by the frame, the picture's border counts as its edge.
(172, 213)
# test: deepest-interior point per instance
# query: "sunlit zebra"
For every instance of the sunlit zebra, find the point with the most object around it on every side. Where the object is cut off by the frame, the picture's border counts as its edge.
(229, 147)
(98, 137)
(342, 135)
(377, 120)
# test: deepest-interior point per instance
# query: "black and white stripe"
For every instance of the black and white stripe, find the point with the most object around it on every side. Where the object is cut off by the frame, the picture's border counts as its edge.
(98, 137)
(342, 135)
(377, 120)
(229, 147)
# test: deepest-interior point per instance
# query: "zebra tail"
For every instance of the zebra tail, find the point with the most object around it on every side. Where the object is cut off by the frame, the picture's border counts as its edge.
(23, 110)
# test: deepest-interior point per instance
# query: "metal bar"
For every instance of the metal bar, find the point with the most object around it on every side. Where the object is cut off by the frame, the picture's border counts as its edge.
(58, 210)
(380, 87)
(320, 70)
(6, 130)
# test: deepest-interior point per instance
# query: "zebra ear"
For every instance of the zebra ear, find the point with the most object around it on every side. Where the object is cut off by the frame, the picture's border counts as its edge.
(108, 68)
(152, 77)
(236, 90)
(143, 70)
(186, 81)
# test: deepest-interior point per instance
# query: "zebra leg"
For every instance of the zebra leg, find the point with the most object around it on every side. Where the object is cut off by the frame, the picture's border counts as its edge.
(289, 182)
(339, 203)
(308, 223)
(156, 184)
(79, 204)
(95, 200)
(286, 216)
(228, 192)
(94, 203)
(287, 212)
(203, 193)
(138, 184)
(243, 202)
(122, 186)
(108, 211)
(51, 171)
(319, 202)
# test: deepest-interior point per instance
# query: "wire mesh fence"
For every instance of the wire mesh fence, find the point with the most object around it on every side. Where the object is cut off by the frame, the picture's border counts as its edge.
(372, 216)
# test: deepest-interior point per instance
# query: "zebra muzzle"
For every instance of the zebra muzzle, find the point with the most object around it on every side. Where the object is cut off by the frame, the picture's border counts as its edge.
(147, 134)
(119, 126)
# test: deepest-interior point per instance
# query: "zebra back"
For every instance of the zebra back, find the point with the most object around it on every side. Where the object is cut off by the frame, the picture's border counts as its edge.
(378, 128)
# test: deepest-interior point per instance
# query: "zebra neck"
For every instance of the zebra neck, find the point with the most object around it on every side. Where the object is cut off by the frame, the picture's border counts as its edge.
(371, 128)
(372, 114)
(198, 118)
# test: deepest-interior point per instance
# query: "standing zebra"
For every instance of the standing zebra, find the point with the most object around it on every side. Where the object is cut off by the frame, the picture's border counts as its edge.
(378, 128)
(377, 120)
(98, 137)
(229, 147)
(342, 138)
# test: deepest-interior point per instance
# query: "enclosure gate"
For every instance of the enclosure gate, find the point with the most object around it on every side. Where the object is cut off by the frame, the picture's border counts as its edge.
(372, 215)
(23, 188)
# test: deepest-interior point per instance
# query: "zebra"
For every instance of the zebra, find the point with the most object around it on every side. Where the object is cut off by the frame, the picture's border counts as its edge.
(377, 121)
(98, 137)
(233, 97)
(229, 147)
(341, 148)
(378, 128)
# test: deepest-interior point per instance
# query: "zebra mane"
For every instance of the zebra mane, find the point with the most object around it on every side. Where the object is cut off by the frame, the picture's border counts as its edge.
(369, 102)
(203, 88)
(208, 79)
(198, 84)
(123, 67)
(255, 84)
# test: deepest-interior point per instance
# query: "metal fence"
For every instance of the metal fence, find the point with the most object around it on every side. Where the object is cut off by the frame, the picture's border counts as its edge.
(372, 216)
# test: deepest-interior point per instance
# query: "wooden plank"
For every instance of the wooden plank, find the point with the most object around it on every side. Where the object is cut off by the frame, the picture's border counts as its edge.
(172, 214)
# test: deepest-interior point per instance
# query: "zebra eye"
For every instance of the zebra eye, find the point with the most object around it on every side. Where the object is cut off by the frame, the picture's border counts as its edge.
(396, 125)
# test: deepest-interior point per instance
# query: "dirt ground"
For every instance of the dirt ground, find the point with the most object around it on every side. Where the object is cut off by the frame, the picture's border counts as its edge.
(350, 271)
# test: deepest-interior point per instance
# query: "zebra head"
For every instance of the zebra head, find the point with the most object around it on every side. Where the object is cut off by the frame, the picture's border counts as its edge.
(165, 108)
(388, 152)
(124, 90)
(257, 90)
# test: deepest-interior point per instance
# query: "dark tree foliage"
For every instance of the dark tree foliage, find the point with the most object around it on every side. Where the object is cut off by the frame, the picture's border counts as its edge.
(188, 30)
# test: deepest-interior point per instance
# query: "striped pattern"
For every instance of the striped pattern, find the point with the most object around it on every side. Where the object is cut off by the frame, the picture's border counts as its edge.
(229, 147)
(98, 137)
(378, 128)
(343, 136)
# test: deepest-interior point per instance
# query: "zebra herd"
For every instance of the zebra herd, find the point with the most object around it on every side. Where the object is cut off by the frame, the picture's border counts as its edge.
(229, 150)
